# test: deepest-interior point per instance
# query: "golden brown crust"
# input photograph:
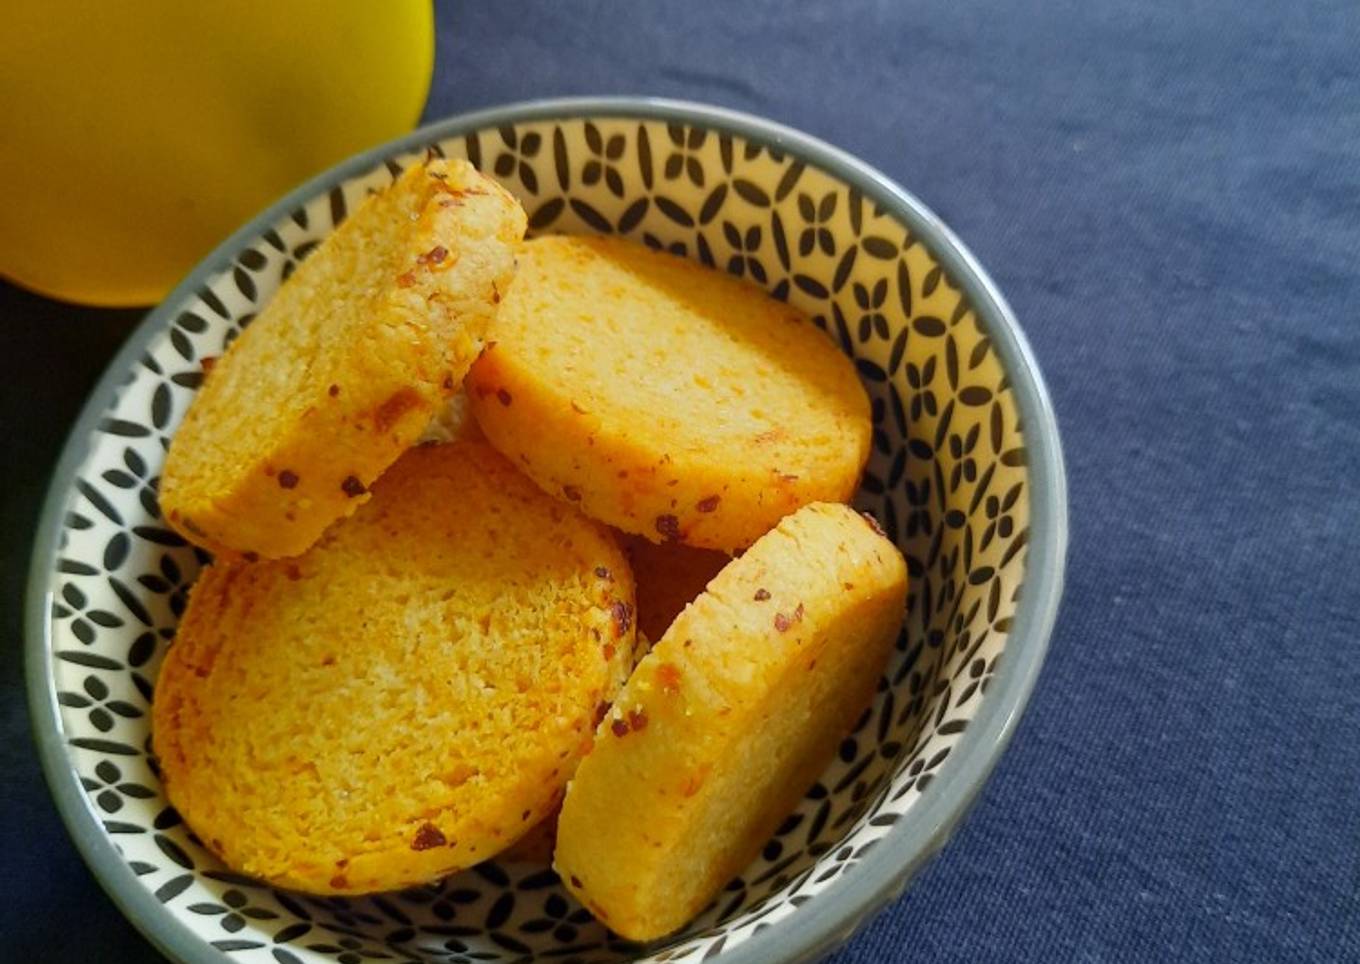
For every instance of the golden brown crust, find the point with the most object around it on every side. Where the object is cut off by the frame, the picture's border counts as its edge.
(729, 720)
(344, 367)
(664, 398)
(406, 698)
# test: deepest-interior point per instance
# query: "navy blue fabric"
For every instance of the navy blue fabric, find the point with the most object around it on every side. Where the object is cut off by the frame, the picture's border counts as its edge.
(1169, 194)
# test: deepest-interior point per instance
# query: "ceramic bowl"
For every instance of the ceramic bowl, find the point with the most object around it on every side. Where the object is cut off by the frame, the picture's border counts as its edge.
(966, 476)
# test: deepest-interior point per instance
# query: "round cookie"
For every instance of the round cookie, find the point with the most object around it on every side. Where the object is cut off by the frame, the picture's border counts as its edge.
(408, 697)
(729, 719)
(343, 368)
(668, 399)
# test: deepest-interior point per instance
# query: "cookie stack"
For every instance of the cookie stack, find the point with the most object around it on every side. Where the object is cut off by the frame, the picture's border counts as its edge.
(431, 471)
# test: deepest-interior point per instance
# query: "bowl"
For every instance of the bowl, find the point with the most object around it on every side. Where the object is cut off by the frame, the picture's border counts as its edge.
(966, 476)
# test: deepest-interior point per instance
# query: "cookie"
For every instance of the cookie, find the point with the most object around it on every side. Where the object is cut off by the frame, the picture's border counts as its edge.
(667, 399)
(409, 696)
(344, 367)
(729, 720)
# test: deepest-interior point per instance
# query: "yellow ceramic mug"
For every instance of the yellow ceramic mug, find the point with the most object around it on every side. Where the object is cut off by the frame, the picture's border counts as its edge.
(136, 135)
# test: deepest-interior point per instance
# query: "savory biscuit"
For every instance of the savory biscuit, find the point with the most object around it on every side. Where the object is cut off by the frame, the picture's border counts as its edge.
(410, 695)
(665, 398)
(343, 368)
(729, 720)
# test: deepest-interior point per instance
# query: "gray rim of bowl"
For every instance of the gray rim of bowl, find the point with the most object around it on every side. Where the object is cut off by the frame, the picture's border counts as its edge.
(832, 916)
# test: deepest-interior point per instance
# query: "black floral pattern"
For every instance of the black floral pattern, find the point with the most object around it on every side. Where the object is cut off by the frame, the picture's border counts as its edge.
(603, 162)
(816, 215)
(946, 479)
(96, 699)
(75, 606)
(684, 159)
(110, 789)
(170, 582)
(133, 474)
(233, 912)
(518, 156)
(745, 252)
(560, 916)
(870, 301)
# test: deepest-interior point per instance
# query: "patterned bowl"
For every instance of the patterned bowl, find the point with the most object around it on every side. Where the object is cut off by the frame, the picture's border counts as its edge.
(966, 475)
